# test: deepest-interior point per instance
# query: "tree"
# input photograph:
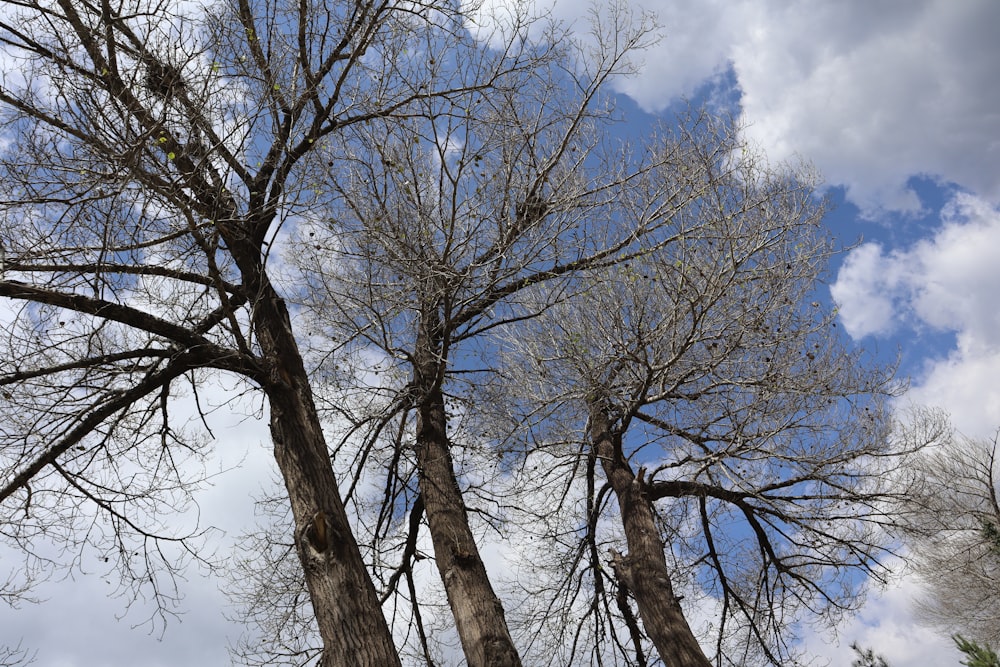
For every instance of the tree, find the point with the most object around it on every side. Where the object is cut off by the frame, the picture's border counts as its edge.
(951, 521)
(749, 449)
(154, 152)
(978, 656)
(666, 303)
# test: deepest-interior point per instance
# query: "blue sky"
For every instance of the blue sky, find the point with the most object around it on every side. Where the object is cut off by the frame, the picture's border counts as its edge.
(897, 104)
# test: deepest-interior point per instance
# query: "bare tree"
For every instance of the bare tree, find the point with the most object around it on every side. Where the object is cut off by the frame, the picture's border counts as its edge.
(674, 291)
(153, 153)
(747, 446)
(953, 531)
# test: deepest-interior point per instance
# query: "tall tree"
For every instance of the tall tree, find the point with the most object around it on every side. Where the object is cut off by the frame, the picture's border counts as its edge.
(746, 444)
(451, 203)
(153, 153)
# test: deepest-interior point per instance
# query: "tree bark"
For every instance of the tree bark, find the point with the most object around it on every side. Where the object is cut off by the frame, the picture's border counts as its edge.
(479, 615)
(347, 609)
(644, 569)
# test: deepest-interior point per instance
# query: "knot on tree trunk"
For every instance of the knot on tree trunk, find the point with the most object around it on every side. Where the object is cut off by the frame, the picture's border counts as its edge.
(464, 558)
(623, 568)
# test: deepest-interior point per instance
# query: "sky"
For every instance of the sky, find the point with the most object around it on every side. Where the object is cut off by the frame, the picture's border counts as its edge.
(897, 104)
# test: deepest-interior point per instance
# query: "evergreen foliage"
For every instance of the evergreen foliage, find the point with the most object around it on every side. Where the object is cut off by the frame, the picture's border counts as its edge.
(978, 656)
(867, 658)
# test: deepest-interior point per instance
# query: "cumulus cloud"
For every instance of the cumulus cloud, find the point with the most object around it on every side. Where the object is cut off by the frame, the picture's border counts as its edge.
(886, 625)
(945, 283)
(872, 93)
(965, 386)
(864, 292)
(875, 96)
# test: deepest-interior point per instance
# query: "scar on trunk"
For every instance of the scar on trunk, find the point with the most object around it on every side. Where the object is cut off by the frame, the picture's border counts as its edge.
(317, 532)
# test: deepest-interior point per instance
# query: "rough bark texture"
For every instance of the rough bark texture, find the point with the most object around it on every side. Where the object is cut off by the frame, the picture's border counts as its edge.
(348, 613)
(644, 569)
(478, 613)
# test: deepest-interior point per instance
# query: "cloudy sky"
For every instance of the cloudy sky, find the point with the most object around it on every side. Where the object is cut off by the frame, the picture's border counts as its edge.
(898, 105)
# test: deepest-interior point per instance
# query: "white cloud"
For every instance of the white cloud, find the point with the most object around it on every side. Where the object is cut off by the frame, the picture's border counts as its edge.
(885, 625)
(872, 93)
(864, 292)
(947, 283)
(80, 605)
(966, 387)
(696, 45)
(959, 273)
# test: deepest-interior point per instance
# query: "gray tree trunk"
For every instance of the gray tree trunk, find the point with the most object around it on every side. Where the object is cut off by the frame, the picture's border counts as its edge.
(347, 609)
(644, 569)
(479, 615)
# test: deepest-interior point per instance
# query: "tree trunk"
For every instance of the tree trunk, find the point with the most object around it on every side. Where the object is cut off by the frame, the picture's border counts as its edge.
(347, 609)
(644, 570)
(478, 613)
